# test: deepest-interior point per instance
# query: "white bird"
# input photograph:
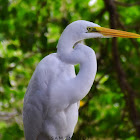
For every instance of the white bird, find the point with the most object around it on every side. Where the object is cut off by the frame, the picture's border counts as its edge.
(52, 98)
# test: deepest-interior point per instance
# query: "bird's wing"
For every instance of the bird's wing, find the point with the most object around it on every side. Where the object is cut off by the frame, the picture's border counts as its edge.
(35, 97)
(32, 118)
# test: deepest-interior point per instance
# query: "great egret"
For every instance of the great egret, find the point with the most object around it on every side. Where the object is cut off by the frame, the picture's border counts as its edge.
(52, 99)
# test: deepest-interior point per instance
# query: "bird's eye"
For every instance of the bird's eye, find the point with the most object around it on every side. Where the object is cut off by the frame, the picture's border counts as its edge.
(91, 29)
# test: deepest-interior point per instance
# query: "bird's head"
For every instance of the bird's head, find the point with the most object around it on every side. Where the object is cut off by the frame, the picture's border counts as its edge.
(81, 29)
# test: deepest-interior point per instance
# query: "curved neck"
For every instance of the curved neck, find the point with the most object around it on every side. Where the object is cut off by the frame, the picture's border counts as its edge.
(86, 76)
(78, 87)
(65, 44)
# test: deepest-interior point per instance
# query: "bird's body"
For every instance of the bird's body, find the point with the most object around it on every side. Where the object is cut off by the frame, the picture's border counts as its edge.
(52, 98)
(54, 109)
(51, 115)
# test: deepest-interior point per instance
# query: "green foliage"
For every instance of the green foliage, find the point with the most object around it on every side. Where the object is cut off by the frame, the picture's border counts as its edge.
(12, 132)
(29, 30)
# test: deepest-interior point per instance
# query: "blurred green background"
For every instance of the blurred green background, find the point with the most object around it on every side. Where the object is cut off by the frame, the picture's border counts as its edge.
(30, 29)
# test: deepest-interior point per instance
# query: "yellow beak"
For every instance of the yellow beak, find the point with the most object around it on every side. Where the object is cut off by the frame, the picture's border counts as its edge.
(115, 33)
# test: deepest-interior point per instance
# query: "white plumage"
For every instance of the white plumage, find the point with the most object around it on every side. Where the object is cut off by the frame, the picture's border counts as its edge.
(52, 99)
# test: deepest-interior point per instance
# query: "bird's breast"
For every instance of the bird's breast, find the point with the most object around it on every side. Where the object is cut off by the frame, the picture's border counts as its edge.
(63, 121)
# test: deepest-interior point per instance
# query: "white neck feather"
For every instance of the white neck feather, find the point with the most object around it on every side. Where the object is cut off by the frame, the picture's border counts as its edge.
(82, 55)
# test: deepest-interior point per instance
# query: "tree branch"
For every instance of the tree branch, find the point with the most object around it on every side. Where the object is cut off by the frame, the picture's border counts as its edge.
(125, 86)
(126, 4)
